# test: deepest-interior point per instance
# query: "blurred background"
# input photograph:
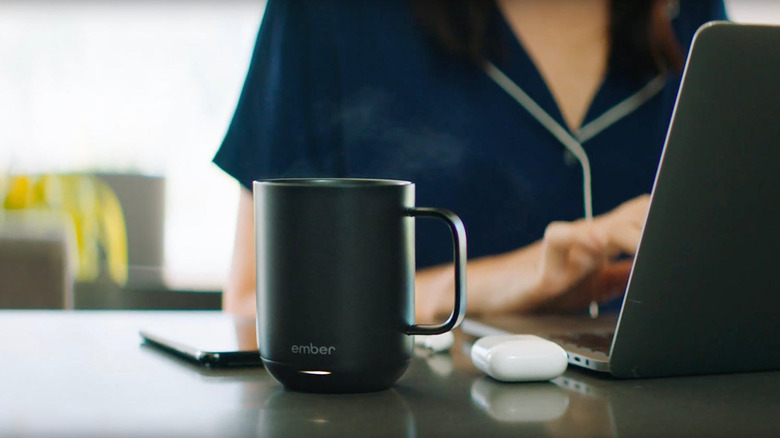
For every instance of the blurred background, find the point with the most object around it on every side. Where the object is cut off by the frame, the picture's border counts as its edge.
(141, 92)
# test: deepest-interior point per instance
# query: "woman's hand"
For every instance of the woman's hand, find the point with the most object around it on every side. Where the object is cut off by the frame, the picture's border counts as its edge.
(584, 261)
(575, 264)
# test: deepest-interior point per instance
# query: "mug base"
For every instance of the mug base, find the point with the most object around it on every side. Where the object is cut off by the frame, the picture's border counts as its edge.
(335, 382)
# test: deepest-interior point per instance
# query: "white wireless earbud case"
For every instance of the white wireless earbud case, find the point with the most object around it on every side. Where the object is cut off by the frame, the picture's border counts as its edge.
(519, 358)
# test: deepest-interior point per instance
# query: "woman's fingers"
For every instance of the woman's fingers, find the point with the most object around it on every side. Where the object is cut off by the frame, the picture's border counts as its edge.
(559, 240)
(623, 226)
(622, 238)
(607, 282)
(578, 260)
(611, 280)
(570, 250)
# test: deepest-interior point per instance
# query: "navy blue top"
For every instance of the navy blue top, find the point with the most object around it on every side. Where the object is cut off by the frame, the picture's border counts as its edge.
(340, 88)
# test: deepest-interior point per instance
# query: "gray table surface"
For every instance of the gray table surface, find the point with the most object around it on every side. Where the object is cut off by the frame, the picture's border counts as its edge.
(87, 373)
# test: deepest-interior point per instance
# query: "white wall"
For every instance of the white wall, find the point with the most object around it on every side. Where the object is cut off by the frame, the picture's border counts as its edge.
(146, 86)
(753, 11)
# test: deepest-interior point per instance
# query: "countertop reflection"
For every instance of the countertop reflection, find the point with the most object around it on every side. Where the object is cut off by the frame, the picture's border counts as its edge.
(88, 374)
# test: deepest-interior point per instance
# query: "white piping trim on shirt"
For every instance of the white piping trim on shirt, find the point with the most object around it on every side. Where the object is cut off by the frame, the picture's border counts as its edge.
(555, 128)
(587, 132)
(624, 108)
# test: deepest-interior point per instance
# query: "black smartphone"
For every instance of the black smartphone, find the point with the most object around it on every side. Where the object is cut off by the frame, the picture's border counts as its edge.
(224, 343)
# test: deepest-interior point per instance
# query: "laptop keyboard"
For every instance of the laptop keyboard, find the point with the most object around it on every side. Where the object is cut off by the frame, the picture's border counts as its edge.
(599, 342)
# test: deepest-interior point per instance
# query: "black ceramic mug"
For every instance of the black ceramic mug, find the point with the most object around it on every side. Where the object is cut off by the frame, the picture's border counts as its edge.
(335, 281)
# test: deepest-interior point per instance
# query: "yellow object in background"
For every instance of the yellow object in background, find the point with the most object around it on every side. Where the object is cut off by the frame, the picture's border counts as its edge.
(19, 194)
(98, 220)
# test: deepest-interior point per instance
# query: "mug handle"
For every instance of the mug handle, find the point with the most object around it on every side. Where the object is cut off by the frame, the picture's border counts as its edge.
(459, 252)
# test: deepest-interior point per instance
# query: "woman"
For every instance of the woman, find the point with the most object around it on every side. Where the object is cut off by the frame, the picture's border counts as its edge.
(539, 122)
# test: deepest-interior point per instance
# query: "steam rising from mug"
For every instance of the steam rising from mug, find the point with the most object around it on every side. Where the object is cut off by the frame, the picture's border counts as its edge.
(335, 281)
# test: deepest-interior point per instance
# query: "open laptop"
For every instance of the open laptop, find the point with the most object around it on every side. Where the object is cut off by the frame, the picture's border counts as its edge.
(704, 292)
